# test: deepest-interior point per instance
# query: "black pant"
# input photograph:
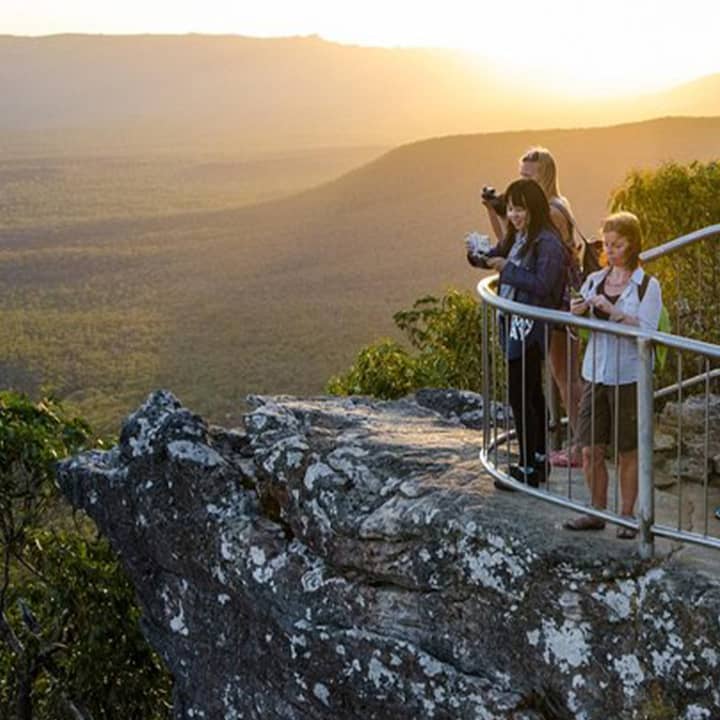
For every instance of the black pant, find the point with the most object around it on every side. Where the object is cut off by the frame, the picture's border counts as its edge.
(530, 419)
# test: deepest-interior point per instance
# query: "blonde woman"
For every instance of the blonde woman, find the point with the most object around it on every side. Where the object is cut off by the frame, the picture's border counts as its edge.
(538, 164)
(621, 293)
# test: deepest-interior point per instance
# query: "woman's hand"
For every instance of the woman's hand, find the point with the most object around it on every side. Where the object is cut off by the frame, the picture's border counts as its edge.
(491, 210)
(579, 306)
(496, 263)
(600, 302)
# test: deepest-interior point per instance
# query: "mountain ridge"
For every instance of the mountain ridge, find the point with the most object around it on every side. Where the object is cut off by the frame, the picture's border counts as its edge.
(239, 91)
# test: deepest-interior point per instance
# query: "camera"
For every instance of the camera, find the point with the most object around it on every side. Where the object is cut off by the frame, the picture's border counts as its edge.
(478, 246)
(496, 202)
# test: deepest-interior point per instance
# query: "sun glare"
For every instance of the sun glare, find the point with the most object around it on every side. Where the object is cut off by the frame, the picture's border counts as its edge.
(577, 47)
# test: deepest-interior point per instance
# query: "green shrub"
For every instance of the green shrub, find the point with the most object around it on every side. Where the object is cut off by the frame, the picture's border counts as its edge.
(70, 645)
(671, 201)
(444, 334)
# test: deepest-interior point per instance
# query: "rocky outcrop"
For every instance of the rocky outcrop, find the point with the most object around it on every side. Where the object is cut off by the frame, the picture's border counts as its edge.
(344, 558)
(688, 420)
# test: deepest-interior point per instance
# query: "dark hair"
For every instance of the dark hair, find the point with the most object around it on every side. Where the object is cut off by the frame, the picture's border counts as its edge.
(528, 194)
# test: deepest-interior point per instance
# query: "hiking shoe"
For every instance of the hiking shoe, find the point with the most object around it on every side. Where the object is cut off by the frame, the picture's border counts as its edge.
(527, 475)
(500, 485)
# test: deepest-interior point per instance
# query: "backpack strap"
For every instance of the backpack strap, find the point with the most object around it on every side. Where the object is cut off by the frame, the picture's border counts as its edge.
(643, 285)
(572, 223)
(600, 282)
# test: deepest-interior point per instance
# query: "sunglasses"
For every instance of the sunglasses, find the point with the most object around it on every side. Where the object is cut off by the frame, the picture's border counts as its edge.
(533, 156)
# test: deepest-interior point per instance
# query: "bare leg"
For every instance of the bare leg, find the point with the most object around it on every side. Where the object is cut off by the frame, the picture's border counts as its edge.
(628, 480)
(596, 478)
(560, 367)
(596, 475)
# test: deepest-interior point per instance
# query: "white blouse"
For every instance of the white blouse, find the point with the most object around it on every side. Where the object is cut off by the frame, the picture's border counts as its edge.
(615, 359)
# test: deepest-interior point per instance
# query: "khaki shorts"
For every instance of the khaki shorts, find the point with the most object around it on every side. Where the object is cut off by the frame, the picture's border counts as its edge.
(604, 416)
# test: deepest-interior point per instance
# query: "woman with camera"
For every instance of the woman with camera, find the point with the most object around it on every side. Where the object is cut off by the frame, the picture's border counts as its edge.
(539, 164)
(532, 263)
(620, 293)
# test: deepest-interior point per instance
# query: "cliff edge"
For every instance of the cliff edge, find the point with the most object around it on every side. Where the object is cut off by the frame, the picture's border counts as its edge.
(347, 558)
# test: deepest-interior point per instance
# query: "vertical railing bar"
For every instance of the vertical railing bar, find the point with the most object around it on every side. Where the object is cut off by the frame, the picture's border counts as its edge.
(546, 417)
(678, 475)
(707, 444)
(486, 376)
(678, 305)
(616, 429)
(679, 355)
(507, 390)
(646, 504)
(591, 484)
(496, 372)
(523, 400)
(568, 370)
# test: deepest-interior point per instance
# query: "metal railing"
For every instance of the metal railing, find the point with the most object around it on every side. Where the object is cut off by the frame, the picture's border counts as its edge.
(498, 432)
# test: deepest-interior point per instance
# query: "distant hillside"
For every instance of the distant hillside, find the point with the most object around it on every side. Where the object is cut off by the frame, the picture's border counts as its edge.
(44, 186)
(235, 92)
(276, 297)
(283, 92)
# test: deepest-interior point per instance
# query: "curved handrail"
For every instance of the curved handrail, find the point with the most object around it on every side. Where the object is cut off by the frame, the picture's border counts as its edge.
(562, 317)
(678, 243)
(644, 339)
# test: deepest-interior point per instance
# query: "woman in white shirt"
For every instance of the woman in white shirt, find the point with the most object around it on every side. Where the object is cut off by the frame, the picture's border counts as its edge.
(619, 293)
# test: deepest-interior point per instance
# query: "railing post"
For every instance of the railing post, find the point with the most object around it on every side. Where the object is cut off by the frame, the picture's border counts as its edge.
(487, 403)
(646, 441)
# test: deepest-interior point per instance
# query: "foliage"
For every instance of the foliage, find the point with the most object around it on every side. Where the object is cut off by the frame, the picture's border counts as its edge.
(445, 334)
(672, 201)
(384, 369)
(32, 438)
(70, 645)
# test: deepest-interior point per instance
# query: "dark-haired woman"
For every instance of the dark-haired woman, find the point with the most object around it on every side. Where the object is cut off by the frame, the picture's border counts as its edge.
(539, 164)
(533, 266)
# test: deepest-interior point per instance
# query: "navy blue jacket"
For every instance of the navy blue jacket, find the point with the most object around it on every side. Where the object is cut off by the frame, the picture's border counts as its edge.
(539, 280)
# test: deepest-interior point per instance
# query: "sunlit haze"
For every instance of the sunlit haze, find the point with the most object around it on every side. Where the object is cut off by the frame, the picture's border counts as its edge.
(581, 48)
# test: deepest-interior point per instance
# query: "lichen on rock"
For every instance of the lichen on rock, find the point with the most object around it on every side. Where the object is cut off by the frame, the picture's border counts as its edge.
(346, 558)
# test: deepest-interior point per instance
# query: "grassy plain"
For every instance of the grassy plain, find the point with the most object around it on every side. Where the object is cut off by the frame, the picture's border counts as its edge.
(103, 302)
(87, 297)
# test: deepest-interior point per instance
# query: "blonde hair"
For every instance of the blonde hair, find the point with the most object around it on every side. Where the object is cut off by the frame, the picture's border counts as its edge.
(547, 170)
(547, 179)
(626, 225)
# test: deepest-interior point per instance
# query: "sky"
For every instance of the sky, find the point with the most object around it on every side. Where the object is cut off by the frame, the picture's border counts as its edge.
(603, 47)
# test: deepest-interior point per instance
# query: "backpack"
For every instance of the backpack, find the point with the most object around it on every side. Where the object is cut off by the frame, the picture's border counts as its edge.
(664, 325)
(590, 256)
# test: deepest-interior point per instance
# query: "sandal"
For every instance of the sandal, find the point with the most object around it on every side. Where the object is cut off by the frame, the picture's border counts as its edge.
(584, 522)
(626, 533)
